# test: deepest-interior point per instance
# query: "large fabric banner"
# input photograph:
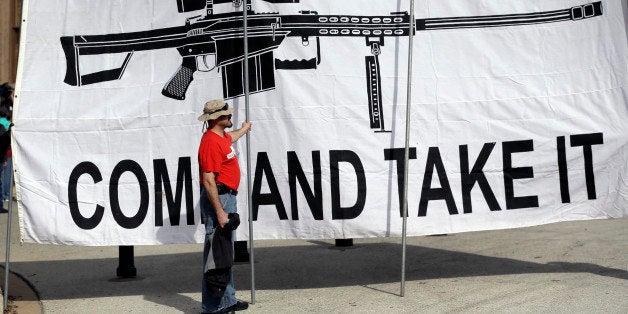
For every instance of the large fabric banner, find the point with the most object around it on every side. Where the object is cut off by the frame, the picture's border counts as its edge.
(518, 116)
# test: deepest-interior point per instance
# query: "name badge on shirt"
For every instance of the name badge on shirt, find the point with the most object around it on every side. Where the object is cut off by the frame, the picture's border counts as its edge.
(231, 154)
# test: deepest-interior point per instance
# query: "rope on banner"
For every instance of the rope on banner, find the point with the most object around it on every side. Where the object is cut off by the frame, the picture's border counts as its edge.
(407, 152)
(248, 148)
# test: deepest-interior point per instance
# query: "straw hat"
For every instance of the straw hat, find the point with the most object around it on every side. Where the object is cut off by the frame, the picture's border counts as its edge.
(214, 109)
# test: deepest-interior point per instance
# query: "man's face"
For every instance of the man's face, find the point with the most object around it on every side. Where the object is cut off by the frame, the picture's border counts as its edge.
(225, 121)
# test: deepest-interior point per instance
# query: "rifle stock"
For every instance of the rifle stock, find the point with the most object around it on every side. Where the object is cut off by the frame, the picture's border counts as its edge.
(82, 45)
(72, 72)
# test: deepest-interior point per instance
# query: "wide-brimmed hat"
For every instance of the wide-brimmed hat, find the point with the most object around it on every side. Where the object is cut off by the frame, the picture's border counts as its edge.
(214, 109)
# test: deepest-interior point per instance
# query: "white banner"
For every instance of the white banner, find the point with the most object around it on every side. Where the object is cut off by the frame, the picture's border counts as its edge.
(518, 116)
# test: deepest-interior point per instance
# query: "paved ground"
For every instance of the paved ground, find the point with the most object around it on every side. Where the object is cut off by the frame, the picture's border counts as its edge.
(570, 267)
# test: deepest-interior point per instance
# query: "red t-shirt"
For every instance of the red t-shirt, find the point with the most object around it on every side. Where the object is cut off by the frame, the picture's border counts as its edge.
(215, 154)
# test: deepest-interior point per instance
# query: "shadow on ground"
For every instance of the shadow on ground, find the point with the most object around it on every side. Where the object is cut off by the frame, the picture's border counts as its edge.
(280, 268)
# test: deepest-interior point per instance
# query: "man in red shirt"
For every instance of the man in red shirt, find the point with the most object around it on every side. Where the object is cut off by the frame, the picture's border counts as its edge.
(220, 179)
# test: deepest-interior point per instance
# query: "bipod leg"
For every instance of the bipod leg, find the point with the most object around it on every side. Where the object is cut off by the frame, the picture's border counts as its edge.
(374, 86)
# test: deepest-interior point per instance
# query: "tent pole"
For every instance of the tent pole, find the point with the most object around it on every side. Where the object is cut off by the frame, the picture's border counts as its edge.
(407, 152)
(16, 101)
(8, 246)
(248, 148)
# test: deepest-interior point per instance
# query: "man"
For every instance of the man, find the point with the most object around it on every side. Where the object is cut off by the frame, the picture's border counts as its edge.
(5, 146)
(220, 178)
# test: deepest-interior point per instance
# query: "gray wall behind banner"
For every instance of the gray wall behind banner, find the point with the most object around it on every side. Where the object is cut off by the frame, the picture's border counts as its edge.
(10, 12)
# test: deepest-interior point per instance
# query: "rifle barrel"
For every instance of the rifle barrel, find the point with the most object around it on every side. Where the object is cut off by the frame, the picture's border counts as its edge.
(571, 14)
(396, 24)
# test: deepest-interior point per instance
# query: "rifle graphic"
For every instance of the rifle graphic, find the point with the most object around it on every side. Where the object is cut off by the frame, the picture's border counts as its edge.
(220, 36)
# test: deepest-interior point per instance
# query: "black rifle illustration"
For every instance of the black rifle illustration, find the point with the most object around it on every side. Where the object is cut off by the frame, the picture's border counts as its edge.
(219, 38)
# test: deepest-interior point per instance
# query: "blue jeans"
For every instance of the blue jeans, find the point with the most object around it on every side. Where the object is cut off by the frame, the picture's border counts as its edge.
(208, 214)
(6, 181)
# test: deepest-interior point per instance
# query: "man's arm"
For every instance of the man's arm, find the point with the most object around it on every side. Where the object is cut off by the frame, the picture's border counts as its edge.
(209, 181)
(237, 134)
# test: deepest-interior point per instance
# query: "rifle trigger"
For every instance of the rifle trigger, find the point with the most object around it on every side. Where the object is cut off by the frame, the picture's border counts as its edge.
(205, 61)
(203, 64)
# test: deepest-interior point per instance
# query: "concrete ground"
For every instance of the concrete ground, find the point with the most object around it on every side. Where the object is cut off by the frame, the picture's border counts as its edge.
(569, 267)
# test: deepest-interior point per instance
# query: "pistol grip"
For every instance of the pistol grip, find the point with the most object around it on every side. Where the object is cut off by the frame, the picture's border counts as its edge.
(179, 83)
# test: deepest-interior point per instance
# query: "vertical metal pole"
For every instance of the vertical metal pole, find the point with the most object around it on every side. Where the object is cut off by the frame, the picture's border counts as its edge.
(407, 152)
(5, 298)
(16, 101)
(248, 148)
(18, 88)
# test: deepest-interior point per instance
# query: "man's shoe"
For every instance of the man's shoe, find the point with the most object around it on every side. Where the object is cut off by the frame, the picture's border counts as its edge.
(240, 306)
